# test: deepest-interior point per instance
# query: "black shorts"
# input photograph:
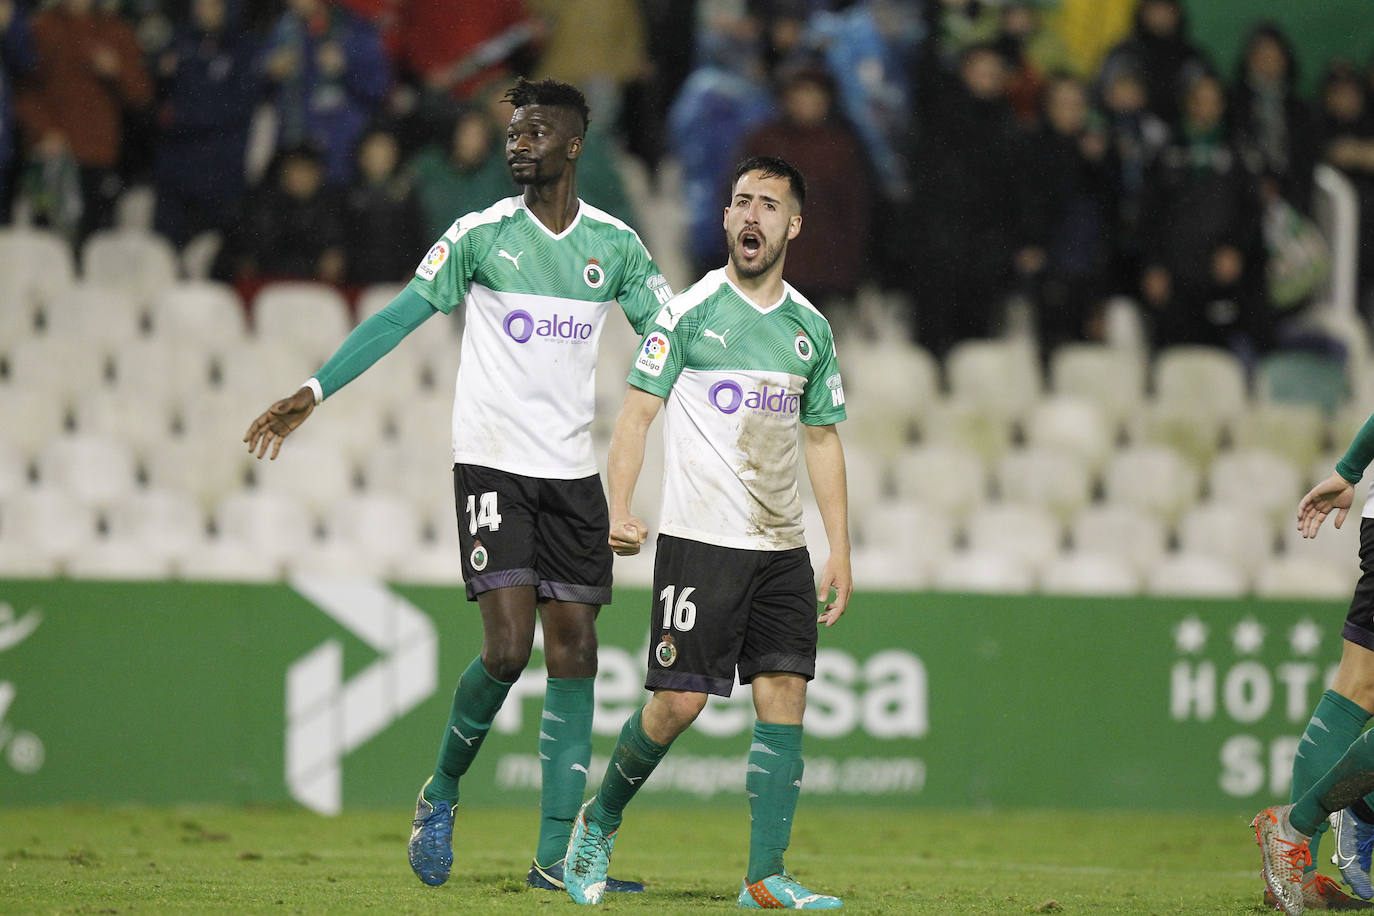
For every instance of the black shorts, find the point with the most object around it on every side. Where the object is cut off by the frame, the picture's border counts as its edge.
(1359, 620)
(716, 609)
(517, 530)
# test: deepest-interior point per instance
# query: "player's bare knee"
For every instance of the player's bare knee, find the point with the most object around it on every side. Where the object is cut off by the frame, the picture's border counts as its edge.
(575, 657)
(504, 661)
(683, 707)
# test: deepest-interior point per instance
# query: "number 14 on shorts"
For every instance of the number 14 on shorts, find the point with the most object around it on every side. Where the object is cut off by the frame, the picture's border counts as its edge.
(482, 512)
(680, 615)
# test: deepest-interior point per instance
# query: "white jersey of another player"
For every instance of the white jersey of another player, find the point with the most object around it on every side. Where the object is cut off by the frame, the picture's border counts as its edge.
(737, 379)
(534, 306)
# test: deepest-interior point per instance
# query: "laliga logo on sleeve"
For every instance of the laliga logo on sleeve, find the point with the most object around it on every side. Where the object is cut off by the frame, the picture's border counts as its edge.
(434, 259)
(802, 345)
(653, 356)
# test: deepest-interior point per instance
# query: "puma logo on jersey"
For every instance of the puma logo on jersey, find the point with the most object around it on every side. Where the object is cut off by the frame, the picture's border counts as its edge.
(514, 259)
(720, 337)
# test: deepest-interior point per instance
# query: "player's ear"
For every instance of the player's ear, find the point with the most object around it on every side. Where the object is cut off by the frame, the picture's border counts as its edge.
(574, 147)
(794, 226)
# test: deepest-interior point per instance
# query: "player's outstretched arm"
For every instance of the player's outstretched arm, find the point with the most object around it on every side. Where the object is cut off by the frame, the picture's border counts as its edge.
(623, 464)
(825, 465)
(277, 422)
(1335, 492)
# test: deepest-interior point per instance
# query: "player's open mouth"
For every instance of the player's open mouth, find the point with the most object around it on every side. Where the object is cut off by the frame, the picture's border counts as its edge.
(750, 243)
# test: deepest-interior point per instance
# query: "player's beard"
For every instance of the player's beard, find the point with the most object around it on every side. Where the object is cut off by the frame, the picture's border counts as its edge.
(768, 256)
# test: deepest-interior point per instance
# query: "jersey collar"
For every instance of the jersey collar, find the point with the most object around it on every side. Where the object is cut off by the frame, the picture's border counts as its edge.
(786, 291)
(561, 235)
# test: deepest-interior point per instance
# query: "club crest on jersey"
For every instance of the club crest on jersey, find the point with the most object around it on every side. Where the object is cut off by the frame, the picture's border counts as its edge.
(803, 346)
(666, 651)
(593, 273)
(433, 260)
(653, 356)
(478, 558)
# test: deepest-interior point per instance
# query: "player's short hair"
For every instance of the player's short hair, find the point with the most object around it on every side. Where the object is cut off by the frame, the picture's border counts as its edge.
(774, 167)
(549, 92)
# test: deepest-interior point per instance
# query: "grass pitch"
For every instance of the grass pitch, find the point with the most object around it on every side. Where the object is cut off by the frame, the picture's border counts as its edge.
(277, 860)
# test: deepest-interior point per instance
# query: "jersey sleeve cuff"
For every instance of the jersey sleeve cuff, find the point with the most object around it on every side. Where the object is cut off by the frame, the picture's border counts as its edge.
(314, 385)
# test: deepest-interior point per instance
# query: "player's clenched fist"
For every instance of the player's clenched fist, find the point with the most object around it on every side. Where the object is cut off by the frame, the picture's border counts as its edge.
(276, 422)
(627, 534)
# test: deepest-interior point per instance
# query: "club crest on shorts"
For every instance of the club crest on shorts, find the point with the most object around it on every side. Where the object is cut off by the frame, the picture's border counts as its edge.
(666, 652)
(478, 558)
(802, 345)
(593, 273)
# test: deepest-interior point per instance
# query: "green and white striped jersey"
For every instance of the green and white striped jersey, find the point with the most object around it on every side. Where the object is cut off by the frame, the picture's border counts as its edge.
(737, 380)
(535, 304)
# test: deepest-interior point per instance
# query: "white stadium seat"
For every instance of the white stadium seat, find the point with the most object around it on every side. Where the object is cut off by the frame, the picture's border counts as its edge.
(199, 313)
(312, 472)
(51, 520)
(1232, 531)
(949, 478)
(160, 521)
(273, 523)
(980, 571)
(104, 319)
(986, 429)
(1026, 533)
(1260, 479)
(1307, 578)
(310, 317)
(231, 560)
(906, 528)
(1047, 477)
(1154, 478)
(1131, 534)
(92, 468)
(1003, 375)
(1111, 377)
(1208, 377)
(1089, 573)
(33, 418)
(1291, 430)
(1071, 424)
(107, 559)
(376, 525)
(14, 467)
(138, 262)
(1195, 576)
(35, 266)
(1191, 428)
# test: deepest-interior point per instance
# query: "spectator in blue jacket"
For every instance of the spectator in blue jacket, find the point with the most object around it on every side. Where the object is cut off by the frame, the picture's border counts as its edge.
(330, 74)
(211, 85)
(17, 59)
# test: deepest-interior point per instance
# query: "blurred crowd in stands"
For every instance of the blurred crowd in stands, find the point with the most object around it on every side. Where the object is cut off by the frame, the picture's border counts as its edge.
(959, 154)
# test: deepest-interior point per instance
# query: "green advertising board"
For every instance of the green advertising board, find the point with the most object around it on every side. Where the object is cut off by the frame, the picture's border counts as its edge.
(333, 693)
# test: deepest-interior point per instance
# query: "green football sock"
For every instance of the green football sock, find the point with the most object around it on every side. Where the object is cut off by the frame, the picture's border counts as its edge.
(565, 750)
(1336, 722)
(635, 757)
(773, 784)
(475, 703)
(1344, 783)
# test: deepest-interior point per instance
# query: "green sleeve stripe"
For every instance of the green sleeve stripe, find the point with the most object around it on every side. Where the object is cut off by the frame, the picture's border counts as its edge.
(373, 339)
(1361, 452)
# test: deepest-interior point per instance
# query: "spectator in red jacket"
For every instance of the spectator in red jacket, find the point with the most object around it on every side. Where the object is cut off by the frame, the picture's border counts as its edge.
(809, 134)
(89, 72)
